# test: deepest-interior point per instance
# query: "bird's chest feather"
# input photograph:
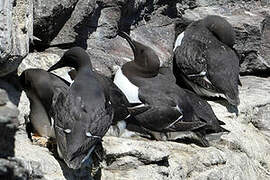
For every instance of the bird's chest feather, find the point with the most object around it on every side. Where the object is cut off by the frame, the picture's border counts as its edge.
(130, 90)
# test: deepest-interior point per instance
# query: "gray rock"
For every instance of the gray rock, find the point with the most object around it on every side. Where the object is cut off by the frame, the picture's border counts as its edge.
(8, 125)
(16, 31)
(244, 153)
(10, 167)
(13, 168)
(262, 114)
(232, 156)
(43, 60)
(77, 28)
(50, 17)
(99, 35)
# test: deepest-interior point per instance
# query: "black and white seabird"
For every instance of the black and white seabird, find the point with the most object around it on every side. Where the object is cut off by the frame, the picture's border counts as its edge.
(119, 101)
(204, 59)
(40, 86)
(83, 113)
(162, 106)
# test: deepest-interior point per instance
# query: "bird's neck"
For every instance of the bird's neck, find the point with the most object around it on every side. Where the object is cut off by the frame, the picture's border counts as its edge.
(132, 68)
(83, 71)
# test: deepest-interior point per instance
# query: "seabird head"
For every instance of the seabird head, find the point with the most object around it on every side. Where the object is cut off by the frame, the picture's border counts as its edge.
(75, 57)
(221, 28)
(144, 56)
(37, 81)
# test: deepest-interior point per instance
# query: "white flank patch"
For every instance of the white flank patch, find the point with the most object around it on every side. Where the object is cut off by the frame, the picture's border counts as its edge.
(178, 109)
(71, 82)
(178, 40)
(180, 117)
(59, 152)
(203, 73)
(130, 90)
(121, 125)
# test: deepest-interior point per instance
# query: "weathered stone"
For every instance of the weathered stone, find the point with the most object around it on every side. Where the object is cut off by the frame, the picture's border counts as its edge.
(233, 156)
(261, 118)
(243, 153)
(43, 61)
(15, 33)
(11, 169)
(97, 32)
(8, 125)
(50, 17)
(78, 27)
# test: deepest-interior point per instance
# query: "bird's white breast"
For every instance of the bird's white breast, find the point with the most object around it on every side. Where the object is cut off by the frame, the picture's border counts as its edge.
(130, 90)
(178, 40)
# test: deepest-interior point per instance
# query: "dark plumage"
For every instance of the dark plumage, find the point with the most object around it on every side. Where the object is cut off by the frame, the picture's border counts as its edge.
(205, 59)
(40, 87)
(165, 107)
(83, 113)
(117, 98)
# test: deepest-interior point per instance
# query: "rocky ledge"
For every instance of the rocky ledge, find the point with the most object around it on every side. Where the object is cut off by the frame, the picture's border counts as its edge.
(243, 153)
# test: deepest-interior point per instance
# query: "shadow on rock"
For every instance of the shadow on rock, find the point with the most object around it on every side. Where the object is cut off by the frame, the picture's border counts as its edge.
(11, 85)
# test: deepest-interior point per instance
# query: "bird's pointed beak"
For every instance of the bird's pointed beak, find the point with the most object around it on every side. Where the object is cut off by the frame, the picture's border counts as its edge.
(129, 40)
(58, 65)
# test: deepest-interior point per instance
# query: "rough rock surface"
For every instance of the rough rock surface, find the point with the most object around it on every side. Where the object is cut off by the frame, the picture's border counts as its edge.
(95, 27)
(10, 167)
(8, 124)
(43, 61)
(16, 31)
(244, 153)
(50, 17)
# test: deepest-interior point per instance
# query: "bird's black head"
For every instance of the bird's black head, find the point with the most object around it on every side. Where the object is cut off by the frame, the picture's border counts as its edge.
(75, 57)
(145, 58)
(34, 78)
(37, 82)
(221, 28)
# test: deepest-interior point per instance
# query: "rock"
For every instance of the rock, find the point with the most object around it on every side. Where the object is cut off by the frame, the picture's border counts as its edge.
(244, 153)
(261, 119)
(78, 26)
(99, 35)
(8, 125)
(231, 155)
(252, 31)
(43, 61)
(10, 167)
(50, 17)
(16, 31)
(13, 168)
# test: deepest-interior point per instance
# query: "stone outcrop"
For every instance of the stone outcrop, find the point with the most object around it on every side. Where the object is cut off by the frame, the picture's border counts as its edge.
(10, 166)
(16, 32)
(244, 153)
(50, 17)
